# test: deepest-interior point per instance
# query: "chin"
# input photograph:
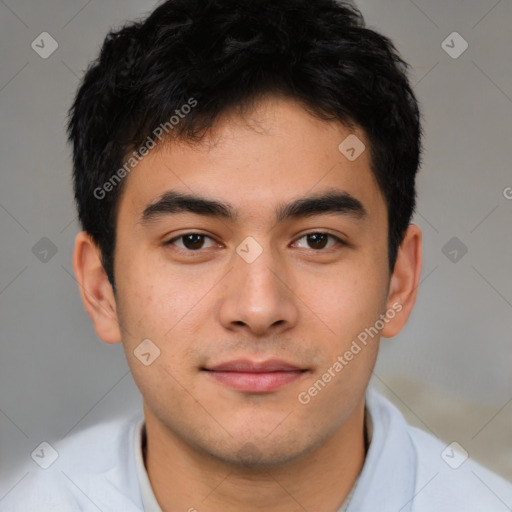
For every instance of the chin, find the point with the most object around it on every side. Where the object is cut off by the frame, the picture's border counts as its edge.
(263, 454)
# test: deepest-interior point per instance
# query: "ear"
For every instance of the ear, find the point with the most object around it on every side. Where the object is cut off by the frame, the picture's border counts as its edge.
(95, 289)
(403, 286)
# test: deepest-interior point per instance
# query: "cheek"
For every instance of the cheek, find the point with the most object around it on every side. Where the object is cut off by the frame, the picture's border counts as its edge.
(346, 301)
(157, 298)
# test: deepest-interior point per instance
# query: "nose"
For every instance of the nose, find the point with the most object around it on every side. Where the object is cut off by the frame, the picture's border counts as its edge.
(258, 297)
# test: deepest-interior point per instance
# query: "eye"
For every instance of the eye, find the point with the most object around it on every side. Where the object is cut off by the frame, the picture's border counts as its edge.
(191, 242)
(319, 241)
(194, 242)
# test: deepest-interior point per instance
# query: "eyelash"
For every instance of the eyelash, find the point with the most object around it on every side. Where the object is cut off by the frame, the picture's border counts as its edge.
(338, 240)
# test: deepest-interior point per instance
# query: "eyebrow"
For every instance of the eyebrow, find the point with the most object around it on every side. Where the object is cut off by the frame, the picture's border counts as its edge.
(330, 201)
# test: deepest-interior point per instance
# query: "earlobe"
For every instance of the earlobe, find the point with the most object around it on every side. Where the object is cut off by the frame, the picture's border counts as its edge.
(95, 289)
(404, 282)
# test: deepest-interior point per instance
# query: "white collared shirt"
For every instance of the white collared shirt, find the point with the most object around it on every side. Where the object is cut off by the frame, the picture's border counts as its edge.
(405, 470)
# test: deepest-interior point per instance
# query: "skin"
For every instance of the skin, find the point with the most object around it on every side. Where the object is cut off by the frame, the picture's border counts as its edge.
(221, 448)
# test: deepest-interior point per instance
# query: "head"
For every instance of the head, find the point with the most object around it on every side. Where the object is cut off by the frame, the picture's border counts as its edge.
(223, 122)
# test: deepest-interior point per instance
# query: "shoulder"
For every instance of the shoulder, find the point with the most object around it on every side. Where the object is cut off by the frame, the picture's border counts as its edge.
(446, 478)
(88, 470)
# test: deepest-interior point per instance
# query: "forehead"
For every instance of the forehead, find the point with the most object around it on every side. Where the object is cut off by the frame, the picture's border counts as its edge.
(276, 152)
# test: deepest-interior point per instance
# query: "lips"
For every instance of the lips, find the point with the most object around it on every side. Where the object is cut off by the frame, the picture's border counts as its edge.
(244, 365)
(255, 376)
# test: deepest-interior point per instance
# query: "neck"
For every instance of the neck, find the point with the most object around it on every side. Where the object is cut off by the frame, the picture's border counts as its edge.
(185, 479)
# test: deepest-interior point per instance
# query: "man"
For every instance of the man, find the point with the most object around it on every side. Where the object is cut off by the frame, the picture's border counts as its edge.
(244, 173)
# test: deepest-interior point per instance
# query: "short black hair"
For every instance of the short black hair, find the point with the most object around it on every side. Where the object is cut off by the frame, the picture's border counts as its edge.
(215, 55)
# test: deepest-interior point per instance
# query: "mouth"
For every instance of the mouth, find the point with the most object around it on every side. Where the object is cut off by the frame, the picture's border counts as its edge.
(255, 376)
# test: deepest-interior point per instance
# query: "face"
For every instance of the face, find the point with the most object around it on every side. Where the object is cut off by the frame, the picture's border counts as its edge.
(252, 300)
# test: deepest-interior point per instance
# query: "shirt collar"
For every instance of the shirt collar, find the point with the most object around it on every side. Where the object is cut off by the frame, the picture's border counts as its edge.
(388, 478)
(149, 502)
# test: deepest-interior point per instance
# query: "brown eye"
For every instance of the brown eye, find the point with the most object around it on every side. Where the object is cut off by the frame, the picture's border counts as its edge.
(190, 241)
(193, 241)
(318, 241)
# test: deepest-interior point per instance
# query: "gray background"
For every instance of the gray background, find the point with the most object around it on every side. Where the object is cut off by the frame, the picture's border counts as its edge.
(449, 371)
